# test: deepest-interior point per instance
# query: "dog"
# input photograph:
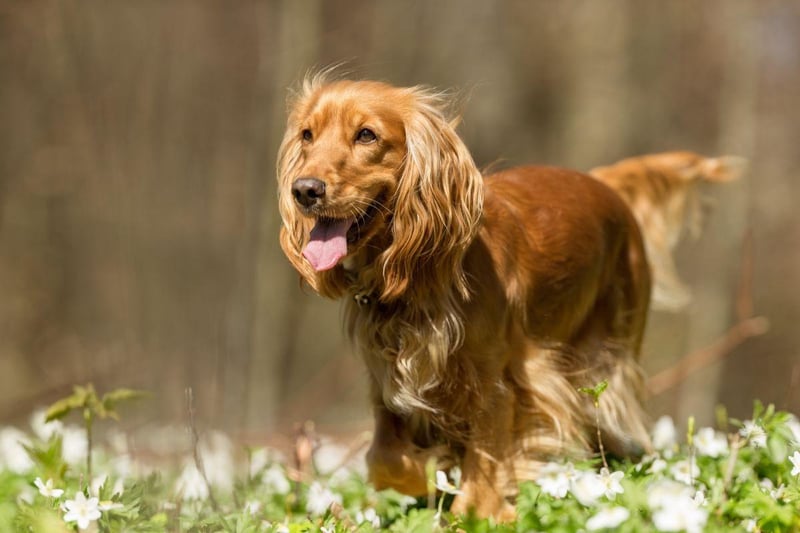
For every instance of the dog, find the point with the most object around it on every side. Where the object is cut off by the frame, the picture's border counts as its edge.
(479, 304)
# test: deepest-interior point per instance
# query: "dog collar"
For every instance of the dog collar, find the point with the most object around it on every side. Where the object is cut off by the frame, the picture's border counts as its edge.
(362, 299)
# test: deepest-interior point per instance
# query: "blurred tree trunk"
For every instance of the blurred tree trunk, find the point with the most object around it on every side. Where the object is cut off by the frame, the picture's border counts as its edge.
(595, 97)
(138, 217)
(735, 25)
(276, 311)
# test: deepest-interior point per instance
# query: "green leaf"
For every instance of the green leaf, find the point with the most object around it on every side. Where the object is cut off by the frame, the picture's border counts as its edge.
(416, 521)
(595, 391)
(758, 408)
(122, 395)
(778, 449)
(108, 405)
(48, 458)
(64, 406)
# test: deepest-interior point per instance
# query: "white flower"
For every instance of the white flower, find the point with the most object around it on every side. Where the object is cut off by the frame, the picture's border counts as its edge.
(330, 456)
(216, 450)
(664, 433)
(12, 450)
(444, 485)
(252, 507)
(406, 502)
(664, 492)
(794, 426)
(745, 474)
(699, 498)
(108, 505)
(710, 443)
(685, 471)
(119, 487)
(26, 495)
(259, 460)
(320, 499)
(779, 493)
(755, 434)
(675, 507)
(689, 519)
(611, 483)
(455, 475)
(81, 510)
(97, 483)
(340, 476)
(46, 489)
(123, 465)
(74, 446)
(370, 516)
(587, 487)
(191, 485)
(795, 460)
(659, 465)
(608, 518)
(275, 480)
(217, 461)
(42, 429)
(749, 525)
(118, 441)
(554, 479)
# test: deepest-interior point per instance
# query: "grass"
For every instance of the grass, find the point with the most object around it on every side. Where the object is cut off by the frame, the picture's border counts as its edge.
(742, 476)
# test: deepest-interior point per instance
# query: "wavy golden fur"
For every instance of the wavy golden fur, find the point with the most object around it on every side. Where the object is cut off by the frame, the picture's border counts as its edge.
(479, 304)
(664, 191)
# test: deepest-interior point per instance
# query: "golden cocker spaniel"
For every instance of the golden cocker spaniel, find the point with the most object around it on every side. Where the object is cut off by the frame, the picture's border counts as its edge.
(479, 304)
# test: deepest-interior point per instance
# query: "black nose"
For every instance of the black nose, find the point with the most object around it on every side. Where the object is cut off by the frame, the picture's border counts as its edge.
(308, 191)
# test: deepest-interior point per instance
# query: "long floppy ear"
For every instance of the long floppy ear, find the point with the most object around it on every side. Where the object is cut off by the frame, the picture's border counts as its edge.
(295, 229)
(437, 207)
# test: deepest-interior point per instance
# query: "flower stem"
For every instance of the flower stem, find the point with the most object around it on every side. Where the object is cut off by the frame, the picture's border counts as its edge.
(599, 436)
(87, 419)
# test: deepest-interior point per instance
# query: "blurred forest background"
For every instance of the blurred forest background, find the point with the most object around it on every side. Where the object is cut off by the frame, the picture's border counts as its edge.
(138, 226)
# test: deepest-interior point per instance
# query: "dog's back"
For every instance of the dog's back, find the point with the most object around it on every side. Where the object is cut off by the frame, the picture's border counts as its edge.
(664, 192)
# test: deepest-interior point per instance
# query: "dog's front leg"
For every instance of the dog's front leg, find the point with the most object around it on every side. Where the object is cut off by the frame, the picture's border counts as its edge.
(394, 461)
(487, 473)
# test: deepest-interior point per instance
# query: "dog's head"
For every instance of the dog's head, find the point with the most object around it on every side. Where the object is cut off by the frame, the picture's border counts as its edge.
(374, 178)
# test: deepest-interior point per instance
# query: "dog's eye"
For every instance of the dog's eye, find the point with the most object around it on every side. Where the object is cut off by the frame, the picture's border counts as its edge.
(307, 136)
(366, 136)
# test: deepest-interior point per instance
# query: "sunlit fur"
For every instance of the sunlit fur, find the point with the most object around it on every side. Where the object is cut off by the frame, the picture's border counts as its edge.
(664, 192)
(479, 304)
(434, 200)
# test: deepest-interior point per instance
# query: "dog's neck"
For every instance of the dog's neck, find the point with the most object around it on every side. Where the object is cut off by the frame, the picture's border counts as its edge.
(406, 343)
(362, 295)
(362, 275)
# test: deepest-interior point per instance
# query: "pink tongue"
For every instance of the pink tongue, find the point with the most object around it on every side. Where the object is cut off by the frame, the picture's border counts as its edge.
(328, 243)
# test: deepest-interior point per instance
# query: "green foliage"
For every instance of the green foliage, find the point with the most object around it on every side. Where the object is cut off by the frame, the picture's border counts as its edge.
(48, 457)
(747, 486)
(87, 400)
(595, 391)
(92, 406)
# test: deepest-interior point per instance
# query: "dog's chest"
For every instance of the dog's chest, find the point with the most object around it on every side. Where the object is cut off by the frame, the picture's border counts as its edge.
(412, 363)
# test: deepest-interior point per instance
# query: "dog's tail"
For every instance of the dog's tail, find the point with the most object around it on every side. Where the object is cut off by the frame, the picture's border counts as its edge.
(664, 193)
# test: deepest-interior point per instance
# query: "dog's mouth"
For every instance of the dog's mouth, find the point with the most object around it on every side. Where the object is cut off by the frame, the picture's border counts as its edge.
(331, 236)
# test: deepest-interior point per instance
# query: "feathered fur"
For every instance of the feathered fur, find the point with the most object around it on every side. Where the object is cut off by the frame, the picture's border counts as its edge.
(664, 191)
